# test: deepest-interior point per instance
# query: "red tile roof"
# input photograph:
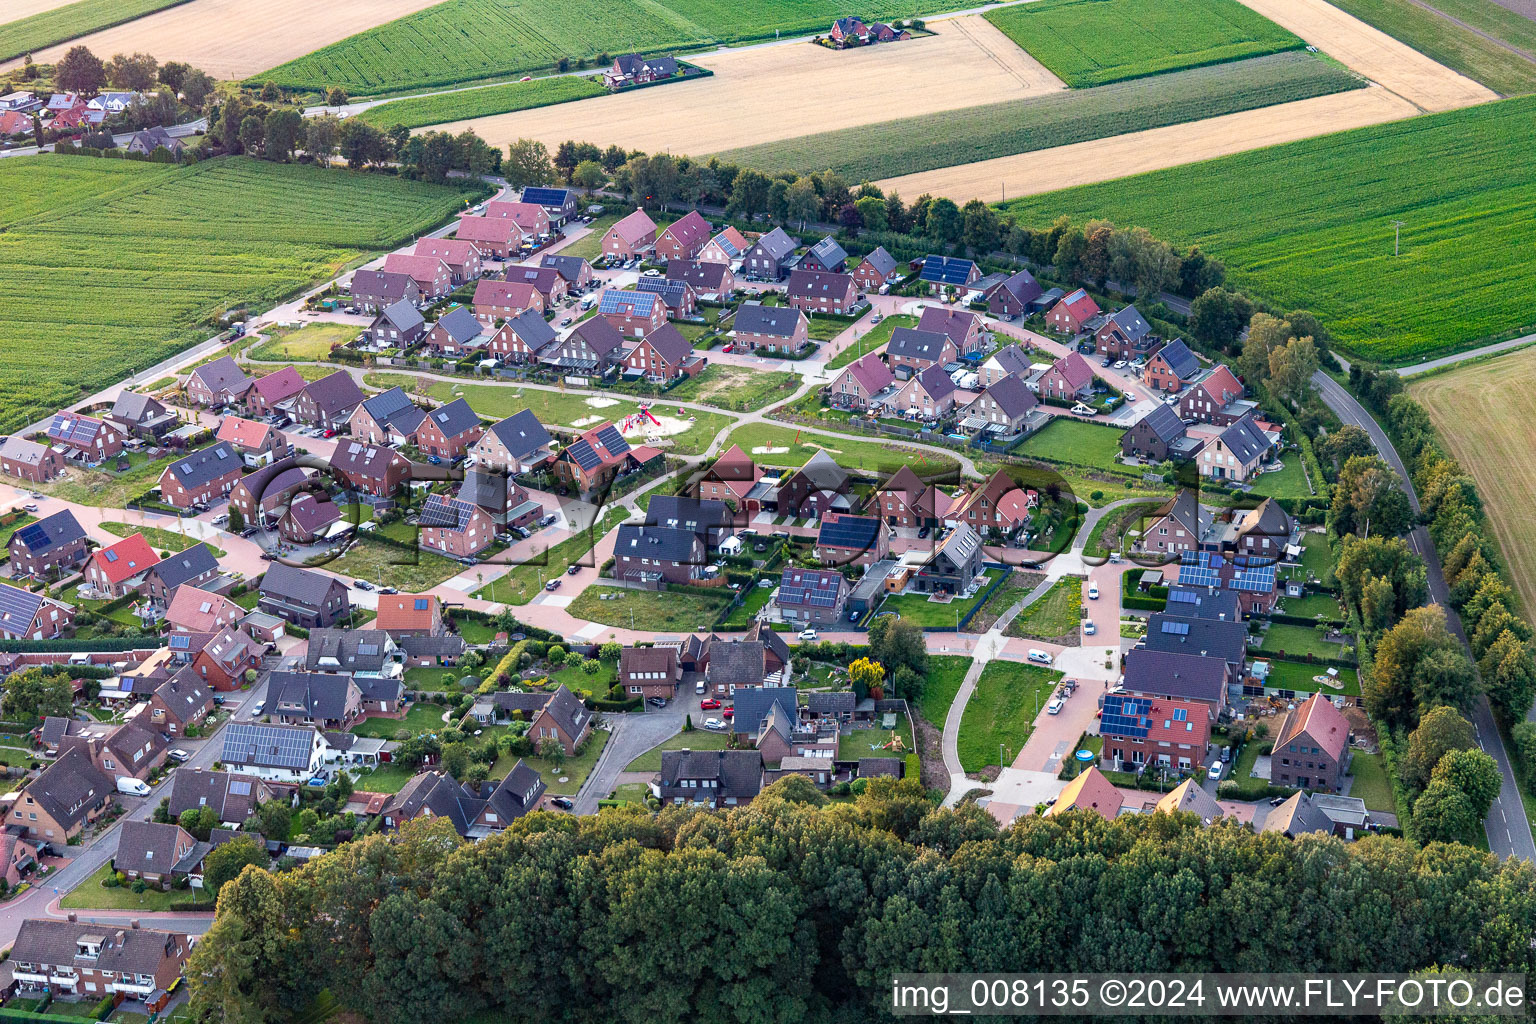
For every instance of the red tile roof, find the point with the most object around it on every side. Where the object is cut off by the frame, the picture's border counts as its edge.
(689, 230)
(1090, 791)
(421, 268)
(243, 432)
(401, 611)
(504, 293)
(504, 230)
(449, 250)
(128, 557)
(634, 227)
(1075, 370)
(1080, 304)
(1319, 719)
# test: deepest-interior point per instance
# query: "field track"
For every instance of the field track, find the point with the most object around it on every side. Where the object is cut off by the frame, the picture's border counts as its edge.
(1487, 415)
(235, 38)
(764, 93)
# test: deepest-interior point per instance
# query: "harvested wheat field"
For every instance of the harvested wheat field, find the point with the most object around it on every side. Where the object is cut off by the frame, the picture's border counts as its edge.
(15, 10)
(233, 39)
(1487, 415)
(1081, 163)
(1373, 53)
(780, 91)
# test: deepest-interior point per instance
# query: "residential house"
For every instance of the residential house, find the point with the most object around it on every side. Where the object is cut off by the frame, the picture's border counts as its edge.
(564, 719)
(678, 296)
(632, 69)
(684, 237)
(1252, 580)
(1298, 816)
(86, 439)
(716, 778)
(727, 247)
(1262, 532)
(756, 704)
(910, 350)
(309, 519)
(962, 327)
(142, 416)
(497, 238)
(118, 570)
(1189, 797)
(858, 382)
(776, 328)
(361, 653)
(220, 382)
(1002, 409)
(769, 257)
(630, 236)
(69, 794)
(1171, 367)
(709, 518)
(517, 444)
(233, 796)
(271, 393)
(1090, 791)
(826, 256)
(203, 477)
(1125, 335)
(18, 854)
(732, 476)
(495, 301)
(735, 665)
(1014, 295)
(662, 356)
(1312, 747)
(328, 402)
(449, 430)
(156, 852)
(192, 567)
(390, 418)
(312, 698)
(401, 324)
(456, 334)
(656, 555)
(635, 314)
(818, 292)
(433, 277)
(532, 218)
(1072, 313)
(650, 672)
(373, 290)
(402, 615)
(224, 662)
(713, 282)
(592, 461)
(461, 256)
(927, 395)
(476, 811)
(180, 702)
(302, 597)
(952, 566)
(547, 281)
(848, 31)
(815, 489)
(576, 271)
(1176, 526)
(852, 540)
(273, 753)
(593, 347)
(25, 615)
(1236, 453)
(257, 443)
(370, 469)
(55, 543)
(1209, 396)
(558, 203)
(877, 270)
(525, 338)
(1157, 437)
(1070, 379)
(263, 495)
(905, 501)
(1226, 639)
(83, 958)
(1173, 675)
(814, 597)
(30, 461)
(1140, 731)
(1191, 602)
(23, 102)
(948, 272)
(999, 507)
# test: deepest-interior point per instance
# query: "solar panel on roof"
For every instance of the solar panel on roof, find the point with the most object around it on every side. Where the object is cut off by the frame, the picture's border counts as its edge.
(440, 511)
(110, 556)
(1176, 628)
(420, 604)
(585, 457)
(544, 196)
(32, 536)
(179, 641)
(368, 649)
(610, 438)
(239, 787)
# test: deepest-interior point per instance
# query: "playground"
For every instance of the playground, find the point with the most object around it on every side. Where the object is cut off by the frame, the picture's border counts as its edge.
(648, 427)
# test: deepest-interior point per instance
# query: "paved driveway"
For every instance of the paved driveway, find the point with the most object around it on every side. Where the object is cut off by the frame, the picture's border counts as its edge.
(633, 734)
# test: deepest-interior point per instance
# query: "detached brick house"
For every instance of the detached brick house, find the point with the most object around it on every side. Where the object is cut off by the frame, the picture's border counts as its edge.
(852, 540)
(517, 444)
(1236, 454)
(25, 615)
(220, 382)
(547, 281)
(728, 246)
(525, 338)
(817, 292)
(906, 501)
(1156, 436)
(684, 237)
(449, 430)
(662, 355)
(503, 300)
(650, 671)
(631, 236)
(826, 256)
(1312, 747)
(258, 443)
(576, 271)
(772, 327)
(564, 719)
(54, 543)
(328, 402)
(655, 555)
(194, 610)
(1014, 295)
(30, 461)
(387, 418)
(710, 281)
(1208, 396)
(268, 392)
(1072, 313)
(94, 960)
(928, 395)
(190, 568)
(961, 327)
(1125, 335)
(402, 615)
(814, 597)
(456, 334)
(876, 270)
(1171, 367)
(1155, 730)
(154, 851)
(769, 256)
(532, 218)
(85, 438)
(205, 476)
(912, 350)
(1070, 379)
(371, 469)
(71, 793)
(227, 658)
(119, 570)
(462, 257)
(263, 495)
(433, 277)
(1003, 408)
(999, 506)
(302, 597)
(635, 314)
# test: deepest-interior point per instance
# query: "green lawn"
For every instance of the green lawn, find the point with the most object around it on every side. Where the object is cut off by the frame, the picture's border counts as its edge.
(576, 678)
(420, 718)
(664, 612)
(312, 342)
(1002, 711)
(160, 540)
(1150, 37)
(99, 488)
(876, 336)
(575, 769)
(861, 743)
(590, 245)
(1004, 597)
(925, 613)
(632, 793)
(387, 778)
(739, 388)
(1299, 676)
(825, 328)
(404, 565)
(945, 674)
(1109, 532)
(698, 739)
(474, 631)
(1297, 641)
(420, 111)
(1056, 614)
(523, 582)
(1313, 605)
(743, 615)
(1371, 783)
(92, 895)
(850, 453)
(431, 677)
(1317, 556)
(1290, 482)
(1069, 440)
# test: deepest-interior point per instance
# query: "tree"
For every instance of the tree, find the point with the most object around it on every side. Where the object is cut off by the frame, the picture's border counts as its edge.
(200, 821)
(980, 231)
(162, 813)
(1443, 814)
(283, 132)
(1199, 273)
(749, 193)
(1509, 675)
(588, 174)
(872, 214)
(1344, 444)
(848, 219)
(1392, 696)
(803, 204)
(33, 694)
(944, 220)
(1218, 316)
(895, 643)
(1070, 253)
(173, 73)
(80, 70)
(270, 93)
(276, 820)
(252, 132)
(897, 217)
(1291, 369)
(361, 144)
(196, 87)
(552, 750)
(1390, 557)
(527, 163)
(137, 73)
(1445, 676)
(1474, 773)
(320, 137)
(1265, 334)
(1368, 500)
(1440, 731)
(336, 97)
(613, 158)
(866, 674)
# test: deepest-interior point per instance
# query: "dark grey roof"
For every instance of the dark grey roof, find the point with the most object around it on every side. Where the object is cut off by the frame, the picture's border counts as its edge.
(1163, 422)
(18, 609)
(1269, 519)
(774, 321)
(486, 489)
(403, 316)
(222, 373)
(381, 284)
(936, 382)
(364, 459)
(379, 688)
(1298, 816)
(569, 267)
(55, 728)
(516, 700)
(703, 277)
(460, 325)
(522, 433)
(298, 585)
(1022, 286)
(205, 466)
(516, 794)
(268, 746)
(1180, 359)
(1012, 359)
(1013, 396)
(450, 646)
(184, 694)
(1131, 323)
(334, 392)
(454, 418)
(776, 244)
(533, 330)
(824, 473)
(310, 694)
(672, 545)
(706, 517)
(1183, 507)
(568, 712)
(185, 565)
(859, 533)
(394, 408)
(872, 767)
(827, 252)
(437, 793)
(70, 787)
(881, 261)
(601, 336)
(830, 703)
(147, 847)
(1204, 602)
(670, 345)
(742, 662)
(1181, 634)
(673, 292)
(54, 943)
(1245, 440)
(1165, 674)
(233, 796)
(775, 644)
(912, 343)
(738, 773)
(347, 650)
(132, 407)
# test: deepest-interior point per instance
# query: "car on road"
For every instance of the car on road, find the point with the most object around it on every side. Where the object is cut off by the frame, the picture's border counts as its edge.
(362, 584)
(388, 590)
(552, 585)
(1089, 628)
(29, 507)
(1093, 591)
(657, 702)
(549, 520)
(729, 713)
(177, 754)
(36, 494)
(708, 704)
(566, 322)
(565, 803)
(1055, 706)
(572, 570)
(1120, 364)
(436, 460)
(808, 635)
(714, 723)
(220, 519)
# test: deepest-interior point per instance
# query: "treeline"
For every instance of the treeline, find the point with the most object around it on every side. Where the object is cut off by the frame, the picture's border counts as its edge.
(169, 92)
(793, 909)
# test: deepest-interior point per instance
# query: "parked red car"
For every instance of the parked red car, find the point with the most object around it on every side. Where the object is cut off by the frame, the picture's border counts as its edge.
(729, 714)
(709, 704)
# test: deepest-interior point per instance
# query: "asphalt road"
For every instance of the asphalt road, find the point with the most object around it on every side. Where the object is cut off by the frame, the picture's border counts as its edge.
(1509, 830)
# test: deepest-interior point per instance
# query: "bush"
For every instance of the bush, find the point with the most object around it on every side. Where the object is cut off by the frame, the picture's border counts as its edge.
(105, 1007)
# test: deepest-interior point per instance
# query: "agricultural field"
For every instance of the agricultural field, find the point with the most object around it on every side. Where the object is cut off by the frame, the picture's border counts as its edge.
(1482, 59)
(1486, 414)
(1309, 224)
(166, 249)
(418, 112)
(70, 21)
(1150, 36)
(470, 40)
(908, 145)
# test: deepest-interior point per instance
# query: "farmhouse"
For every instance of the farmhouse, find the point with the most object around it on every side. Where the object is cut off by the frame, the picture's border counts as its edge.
(1171, 367)
(778, 328)
(495, 237)
(817, 292)
(877, 270)
(30, 461)
(684, 237)
(1072, 313)
(372, 290)
(462, 257)
(202, 477)
(635, 314)
(769, 256)
(525, 338)
(388, 418)
(631, 236)
(848, 31)
(633, 69)
(502, 300)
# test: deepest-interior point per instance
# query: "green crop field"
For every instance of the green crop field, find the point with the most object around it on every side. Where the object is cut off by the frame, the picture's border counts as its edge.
(71, 22)
(908, 145)
(1457, 47)
(495, 99)
(1091, 42)
(474, 40)
(1309, 224)
(112, 265)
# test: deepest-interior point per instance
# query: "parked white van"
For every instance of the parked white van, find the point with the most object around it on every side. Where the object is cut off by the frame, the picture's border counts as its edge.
(1039, 657)
(132, 786)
